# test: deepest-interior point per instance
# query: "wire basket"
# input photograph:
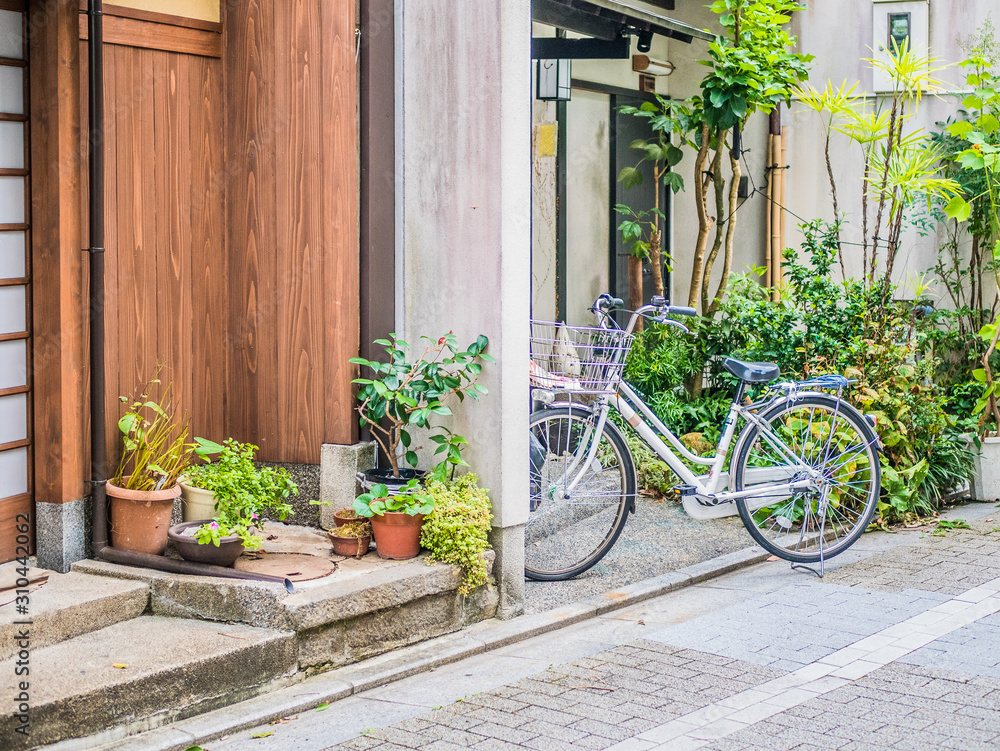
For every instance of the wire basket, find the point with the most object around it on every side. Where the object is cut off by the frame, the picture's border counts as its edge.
(577, 359)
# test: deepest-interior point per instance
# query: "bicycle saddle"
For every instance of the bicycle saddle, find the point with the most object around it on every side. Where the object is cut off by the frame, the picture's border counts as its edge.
(752, 372)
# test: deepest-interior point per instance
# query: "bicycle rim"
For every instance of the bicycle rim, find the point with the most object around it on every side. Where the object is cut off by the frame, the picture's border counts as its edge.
(572, 526)
(830, 437)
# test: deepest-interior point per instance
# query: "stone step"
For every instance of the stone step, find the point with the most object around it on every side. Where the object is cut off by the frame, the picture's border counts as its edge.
(68, 605)
(138, 674)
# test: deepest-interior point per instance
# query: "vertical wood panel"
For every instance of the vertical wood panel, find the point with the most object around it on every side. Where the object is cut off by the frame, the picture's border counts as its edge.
(165, 266)
(172, 228)
(248, 54)
(340, 264)
(208, 325)
(299, 95)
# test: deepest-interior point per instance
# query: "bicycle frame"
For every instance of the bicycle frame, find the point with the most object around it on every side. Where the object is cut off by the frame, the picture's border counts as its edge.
(709, 500)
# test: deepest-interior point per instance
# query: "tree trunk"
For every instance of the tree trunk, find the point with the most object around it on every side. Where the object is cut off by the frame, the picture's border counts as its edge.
(656, 261)
(704, 222)
(635, 287)
(730, 234)
(720, 212)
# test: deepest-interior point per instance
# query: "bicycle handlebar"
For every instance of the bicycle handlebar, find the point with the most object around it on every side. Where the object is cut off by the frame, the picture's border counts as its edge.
(659, 306)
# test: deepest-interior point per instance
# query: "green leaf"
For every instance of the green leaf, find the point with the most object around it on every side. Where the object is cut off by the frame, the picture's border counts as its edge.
(411, 458)
(674, 181)
(979, 374)
(988, 123)
(321, 707)
(972, 102)
(630, 177)
(960, 128)
(673, 155)
(958, 208)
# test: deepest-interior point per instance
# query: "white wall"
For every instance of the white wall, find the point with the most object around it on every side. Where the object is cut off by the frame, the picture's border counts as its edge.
(839, 58)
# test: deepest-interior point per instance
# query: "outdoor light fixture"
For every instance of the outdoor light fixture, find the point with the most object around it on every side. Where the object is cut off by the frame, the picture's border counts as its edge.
(652, 66)
(644, 41)
(554, 83)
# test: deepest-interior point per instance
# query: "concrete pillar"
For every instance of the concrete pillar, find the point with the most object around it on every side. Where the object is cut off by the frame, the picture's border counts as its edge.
(464, 229)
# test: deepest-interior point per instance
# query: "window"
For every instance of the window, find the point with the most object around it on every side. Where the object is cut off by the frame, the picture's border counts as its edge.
(899, 31)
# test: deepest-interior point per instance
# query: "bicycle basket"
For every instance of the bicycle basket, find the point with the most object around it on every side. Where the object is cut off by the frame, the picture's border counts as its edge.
(578, 359)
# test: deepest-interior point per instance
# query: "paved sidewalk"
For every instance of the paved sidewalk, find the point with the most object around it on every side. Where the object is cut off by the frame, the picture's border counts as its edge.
(899, 647)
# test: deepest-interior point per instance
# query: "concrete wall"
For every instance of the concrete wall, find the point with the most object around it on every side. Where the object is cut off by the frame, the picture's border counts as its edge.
(464, 182)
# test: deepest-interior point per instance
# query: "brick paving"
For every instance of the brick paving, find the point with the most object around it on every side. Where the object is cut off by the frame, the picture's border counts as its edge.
(898, 651)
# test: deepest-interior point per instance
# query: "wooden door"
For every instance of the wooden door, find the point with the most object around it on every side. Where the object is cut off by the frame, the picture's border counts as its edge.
(15, 274)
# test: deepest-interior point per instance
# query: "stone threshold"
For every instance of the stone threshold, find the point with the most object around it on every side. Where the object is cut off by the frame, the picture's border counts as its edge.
(309, 692)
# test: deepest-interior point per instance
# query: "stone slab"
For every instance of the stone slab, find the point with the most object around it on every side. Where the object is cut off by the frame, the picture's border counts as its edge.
(69, 605)
(142, 673)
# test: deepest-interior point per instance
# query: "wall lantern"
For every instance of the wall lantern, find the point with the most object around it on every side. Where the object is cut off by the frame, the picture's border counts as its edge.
(554, 82)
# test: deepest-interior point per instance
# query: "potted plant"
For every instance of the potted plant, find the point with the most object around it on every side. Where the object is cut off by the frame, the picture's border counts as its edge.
(242, 494)
(155, 453)
(403, 394)
(396, 517)
(351, 538)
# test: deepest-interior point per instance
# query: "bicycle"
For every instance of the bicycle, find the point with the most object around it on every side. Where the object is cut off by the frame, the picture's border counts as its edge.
(804, 474)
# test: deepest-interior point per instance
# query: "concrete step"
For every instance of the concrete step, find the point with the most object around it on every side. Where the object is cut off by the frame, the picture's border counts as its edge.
(68, 605)
(138, 674)
(366, 607)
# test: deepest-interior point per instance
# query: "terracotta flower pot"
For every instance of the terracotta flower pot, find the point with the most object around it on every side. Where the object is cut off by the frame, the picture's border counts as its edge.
(140, 519)
(230, 548)
(353, 546)
(198, 502)
(397, 535)
(344, 516)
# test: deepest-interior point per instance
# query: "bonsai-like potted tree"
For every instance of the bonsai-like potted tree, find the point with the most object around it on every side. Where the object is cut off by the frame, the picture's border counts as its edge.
(242, 495)
(401, 395)
(155, 453)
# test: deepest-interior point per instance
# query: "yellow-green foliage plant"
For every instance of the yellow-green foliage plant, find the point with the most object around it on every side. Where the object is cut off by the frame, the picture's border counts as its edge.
(457, 530)
(155, 442)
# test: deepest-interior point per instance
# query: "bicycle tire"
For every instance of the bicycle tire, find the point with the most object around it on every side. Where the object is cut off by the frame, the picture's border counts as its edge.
(827, 435)
(567, 535)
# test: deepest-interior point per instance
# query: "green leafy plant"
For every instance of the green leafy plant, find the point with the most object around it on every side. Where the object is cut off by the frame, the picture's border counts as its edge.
(154, 439)
(753, 68)
(457, 529)
(244, 492)
(409, 499)
(401, 393)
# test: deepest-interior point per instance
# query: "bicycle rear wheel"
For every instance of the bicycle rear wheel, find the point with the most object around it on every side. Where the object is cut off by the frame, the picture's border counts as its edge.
(570, 529)
(830, 436)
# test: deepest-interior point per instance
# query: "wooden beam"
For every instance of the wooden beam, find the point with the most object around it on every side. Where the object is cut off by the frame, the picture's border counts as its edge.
(133, 32)
(149, 15)
(59, 325)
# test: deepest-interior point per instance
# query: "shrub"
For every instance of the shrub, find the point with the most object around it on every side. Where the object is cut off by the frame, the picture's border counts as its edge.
(457, 530)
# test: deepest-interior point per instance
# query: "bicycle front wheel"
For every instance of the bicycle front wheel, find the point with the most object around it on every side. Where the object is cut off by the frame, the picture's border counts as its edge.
(578, 505)
(830, 436)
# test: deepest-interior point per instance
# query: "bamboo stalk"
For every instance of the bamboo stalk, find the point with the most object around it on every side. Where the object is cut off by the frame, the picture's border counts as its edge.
(767, 216)
(775, 220)
(784, 192)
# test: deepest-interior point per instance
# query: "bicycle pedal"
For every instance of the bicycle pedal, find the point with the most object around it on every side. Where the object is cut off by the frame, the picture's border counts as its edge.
(684, 490)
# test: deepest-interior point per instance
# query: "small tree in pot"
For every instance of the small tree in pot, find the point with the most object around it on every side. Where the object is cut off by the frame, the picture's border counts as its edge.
(403, 394)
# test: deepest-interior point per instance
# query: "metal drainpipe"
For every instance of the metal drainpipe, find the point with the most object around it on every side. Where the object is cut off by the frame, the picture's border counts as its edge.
(98, 454)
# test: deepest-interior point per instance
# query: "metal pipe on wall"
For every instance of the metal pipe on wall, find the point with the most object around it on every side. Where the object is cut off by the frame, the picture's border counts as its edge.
(98, 416)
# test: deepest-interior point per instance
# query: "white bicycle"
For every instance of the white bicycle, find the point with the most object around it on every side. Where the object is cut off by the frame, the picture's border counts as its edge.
(804, 475)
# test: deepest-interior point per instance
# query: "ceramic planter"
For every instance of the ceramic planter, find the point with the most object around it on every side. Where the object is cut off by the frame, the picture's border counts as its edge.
(344, 516)
(230, 548)
(384, 476)
(986, 479)
(397, 535)
(352, 546)
(198, 502)
(140, 519)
